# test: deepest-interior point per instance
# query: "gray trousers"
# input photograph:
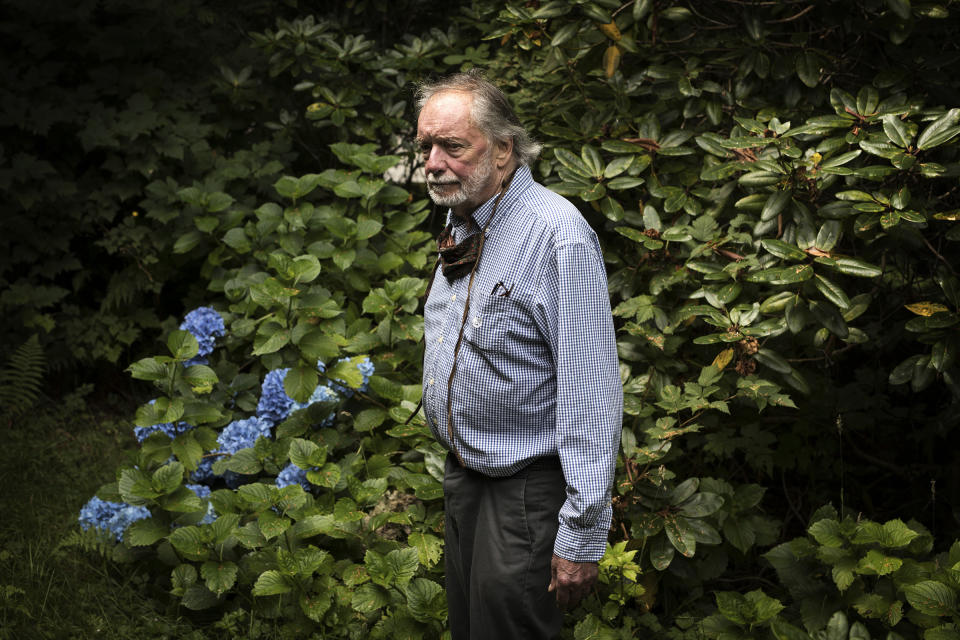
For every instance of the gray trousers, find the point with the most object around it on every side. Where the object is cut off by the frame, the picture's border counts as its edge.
(499, 536)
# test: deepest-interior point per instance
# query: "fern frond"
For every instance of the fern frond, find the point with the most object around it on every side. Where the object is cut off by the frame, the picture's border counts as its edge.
(20, 379)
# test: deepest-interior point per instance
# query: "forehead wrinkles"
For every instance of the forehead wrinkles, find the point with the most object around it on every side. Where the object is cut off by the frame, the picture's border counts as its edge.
(450, 116)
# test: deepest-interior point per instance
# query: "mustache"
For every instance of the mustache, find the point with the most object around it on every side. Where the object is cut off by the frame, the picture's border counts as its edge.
(440, 181)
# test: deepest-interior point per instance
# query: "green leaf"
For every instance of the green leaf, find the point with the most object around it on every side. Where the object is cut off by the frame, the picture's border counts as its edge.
(270, 338)
(876, 563)
(148, 369)
(182, 345)
(219, 576)
(327, 477)
(346, 372)
(200, 377)
(300, 382)
(782, 250)
(429, 547)
(306, 454)
(701, 505)
(940, 130)
(931, 598)
(661, 553)
(897, 131)
(854, 267)
(827, 532)
(168, 477)
(271, 583)
(395, 568)
(315, 605)
(189, 542)
(572, 162)
(680, 535)
(146, 532)
(832, 292)
(829, 235)
(426, 600)
(775, 204)
(808, 68)
(316, 345)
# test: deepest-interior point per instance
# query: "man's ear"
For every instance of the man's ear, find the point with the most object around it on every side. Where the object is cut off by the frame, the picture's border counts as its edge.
(504, 152)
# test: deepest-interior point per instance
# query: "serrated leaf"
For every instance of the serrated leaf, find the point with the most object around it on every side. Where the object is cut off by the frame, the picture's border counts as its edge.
(271, 583)
(931, 598)
(219, 576)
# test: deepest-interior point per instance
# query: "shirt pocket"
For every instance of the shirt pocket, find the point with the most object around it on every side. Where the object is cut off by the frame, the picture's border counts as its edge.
(494, 321)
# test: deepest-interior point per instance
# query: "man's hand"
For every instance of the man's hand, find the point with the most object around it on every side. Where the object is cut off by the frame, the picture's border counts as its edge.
(571, 580)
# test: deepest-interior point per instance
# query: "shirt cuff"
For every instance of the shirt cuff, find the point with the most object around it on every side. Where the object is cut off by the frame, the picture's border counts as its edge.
(579, 544)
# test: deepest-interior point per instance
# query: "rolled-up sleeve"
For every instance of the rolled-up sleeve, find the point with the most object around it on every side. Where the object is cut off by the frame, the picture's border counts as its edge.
(574, 299)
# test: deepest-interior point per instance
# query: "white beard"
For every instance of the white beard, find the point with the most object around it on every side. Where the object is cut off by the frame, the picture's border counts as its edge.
(468, 189)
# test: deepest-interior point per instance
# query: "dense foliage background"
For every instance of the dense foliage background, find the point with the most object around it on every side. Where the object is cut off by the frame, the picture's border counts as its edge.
(775, 189)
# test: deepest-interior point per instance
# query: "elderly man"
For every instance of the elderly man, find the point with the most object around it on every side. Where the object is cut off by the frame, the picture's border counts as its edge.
(520, 373)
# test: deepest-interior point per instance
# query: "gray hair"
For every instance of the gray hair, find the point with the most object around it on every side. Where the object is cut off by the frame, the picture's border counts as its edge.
(491, 111)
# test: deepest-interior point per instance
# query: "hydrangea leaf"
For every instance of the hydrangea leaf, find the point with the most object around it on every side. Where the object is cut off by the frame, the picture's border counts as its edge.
(396, 568)
(182, 344)
(135, 487)
(302, 453)
(201, 378)
(932, 598)
(189, 541)
(145, 532)
(271, 583)
(182, 577)
(369, 598)
(426, 600)
(318, 345)
(219, 575)
(315, 605)
(429, 547)
(188, 450)
(300, 382)
(224, 527)
(148, 369)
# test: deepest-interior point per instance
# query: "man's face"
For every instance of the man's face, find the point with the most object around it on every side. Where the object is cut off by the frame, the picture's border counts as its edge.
(458, 158)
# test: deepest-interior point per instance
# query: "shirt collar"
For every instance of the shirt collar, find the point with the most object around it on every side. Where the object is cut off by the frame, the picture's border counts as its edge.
(522, 179)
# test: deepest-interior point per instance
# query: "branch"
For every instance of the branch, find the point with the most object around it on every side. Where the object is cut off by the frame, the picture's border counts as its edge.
(793, 17)
(940, 257)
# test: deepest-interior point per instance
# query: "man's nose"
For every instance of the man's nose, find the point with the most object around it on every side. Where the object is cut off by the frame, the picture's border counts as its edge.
(436, 161)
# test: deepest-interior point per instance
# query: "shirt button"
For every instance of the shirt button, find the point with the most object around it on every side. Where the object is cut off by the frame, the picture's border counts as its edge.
(431, 381)
(453, 297)
(440, 339)
(476, 322)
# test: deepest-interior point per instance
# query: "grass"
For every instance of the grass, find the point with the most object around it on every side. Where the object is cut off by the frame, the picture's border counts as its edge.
(55, 583)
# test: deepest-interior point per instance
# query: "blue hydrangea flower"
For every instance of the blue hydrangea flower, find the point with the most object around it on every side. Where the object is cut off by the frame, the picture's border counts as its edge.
(292, 474)
(320, 394)
(110, 517)
(274, 402)
(206, 325)
(203, 492)
(169, 428)
(241, 434)
(204, 470)
(366, 370)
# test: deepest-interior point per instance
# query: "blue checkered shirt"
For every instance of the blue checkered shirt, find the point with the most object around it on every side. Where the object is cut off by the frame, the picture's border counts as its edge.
(537, 373)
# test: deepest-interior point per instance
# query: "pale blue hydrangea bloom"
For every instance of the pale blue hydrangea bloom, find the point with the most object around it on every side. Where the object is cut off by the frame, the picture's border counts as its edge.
(110, 517)
(203, 492)
(172, 430)
(274, 404)
(292, 474)
(206, 325)
(204, 470)
(241, 434)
